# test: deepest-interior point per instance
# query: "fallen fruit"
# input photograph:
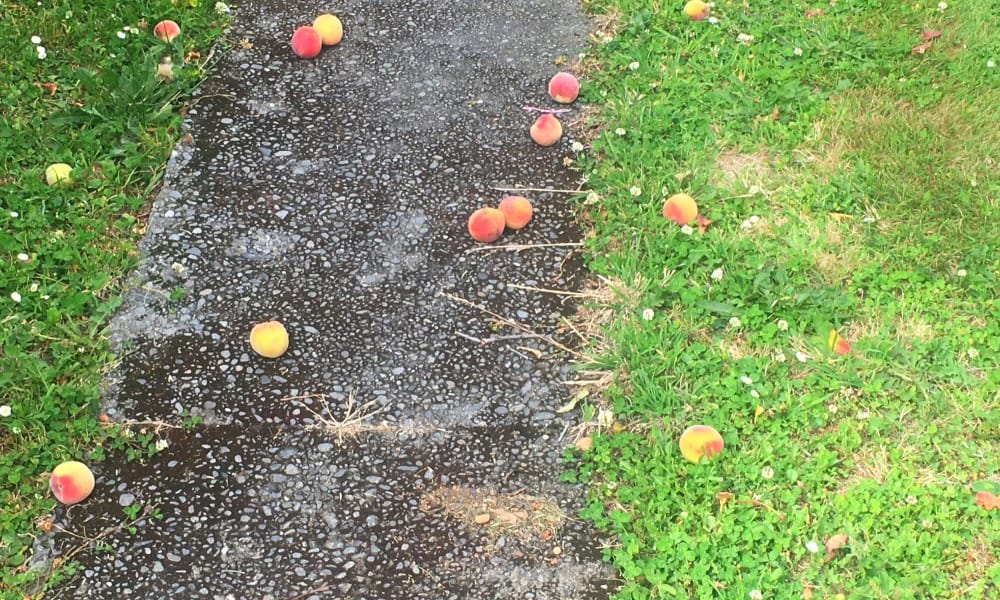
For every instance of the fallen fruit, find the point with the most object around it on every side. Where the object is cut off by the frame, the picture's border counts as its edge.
(330, 29)
(700, 440)
(564, 87)
(58, 174)
(516, 210)
(546, 130)
(486, 224)
(680, 208)
(269, 339)
(837, 344)
(696, 9)
(306, 42)
(166, 30)
(71, 482)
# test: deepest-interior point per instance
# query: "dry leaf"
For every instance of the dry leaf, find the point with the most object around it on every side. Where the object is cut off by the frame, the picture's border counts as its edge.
(833, 544)
(930, 34)
(807, 593)
(920, 48)
(814, 12)
(723, 498)
(987, 500)
(48, 86)
(703, 223)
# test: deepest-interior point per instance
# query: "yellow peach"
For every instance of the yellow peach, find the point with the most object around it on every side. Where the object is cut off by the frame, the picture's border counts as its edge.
(486, 224)
(58, 174)
(516, 210)
(696, 9)
(269, 339)
(680, 208)
(700, 441)
(71, 482)
(330, 29)
(546, 130)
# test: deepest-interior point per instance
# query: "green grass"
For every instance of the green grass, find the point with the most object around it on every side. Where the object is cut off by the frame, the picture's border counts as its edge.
(872, 174)
(91, 100)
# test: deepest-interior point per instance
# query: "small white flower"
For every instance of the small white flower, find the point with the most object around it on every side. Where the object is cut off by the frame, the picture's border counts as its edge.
(221, 8)
(713, 20)
(647, 314)
(36, 40)
(687, 229)
(767, 472)
(911, 499)
(23, 257)
(797, 52)
(927, 523)
(990, 64)
(15, 296)
(863, 414)
(735, 323)
(756, 595)
(717, 274)
(4, 411)
(41, 52)
(779, 355)
(801, 356)
(121, 34)
(34, 287)
(782, 325)
(632, 66)
(755, 393)
(635, 190)
(593, 198)
(161, 444)
(942, 6)
(812, 546)
(832, 408)
(620, 131)
(744, 38)
(961, 272)
(746, 380)
(14, 214)
(577, 147)
(972, 352)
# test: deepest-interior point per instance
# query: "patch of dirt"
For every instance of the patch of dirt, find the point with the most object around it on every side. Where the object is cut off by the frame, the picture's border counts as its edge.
(517, 515)
(746, 168)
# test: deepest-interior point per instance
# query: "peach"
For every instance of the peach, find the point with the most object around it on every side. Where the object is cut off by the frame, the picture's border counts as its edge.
(71, 482)
(58, 174)
(306, 42)
(330, 29)
(487, 224)
(546, 130)
(516, 210)
(166, 30)
(838, 344)
(680, 208)
(563, 87)
(269, 339)
(700, 440)
(696, 9)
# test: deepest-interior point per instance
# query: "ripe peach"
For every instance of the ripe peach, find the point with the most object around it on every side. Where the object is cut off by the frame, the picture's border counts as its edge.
(166, 30)
(306, 42)
(546, 130)
(696, 9)
(700, 440)
(486, 224)
(516, 210)
(330, 29)
(680, 208)
(269, 339)
(71, 482)
(563, 87)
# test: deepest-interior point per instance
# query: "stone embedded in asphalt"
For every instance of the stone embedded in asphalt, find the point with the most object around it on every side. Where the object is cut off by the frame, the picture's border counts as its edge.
(332, 195)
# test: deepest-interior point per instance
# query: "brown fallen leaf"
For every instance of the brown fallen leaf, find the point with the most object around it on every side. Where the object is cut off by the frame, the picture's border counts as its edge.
(48, 86)
(930, 34)
(833, 544)
(814, 12)
(920, 48)
(987, 500)
(723, 498)
(703, 223)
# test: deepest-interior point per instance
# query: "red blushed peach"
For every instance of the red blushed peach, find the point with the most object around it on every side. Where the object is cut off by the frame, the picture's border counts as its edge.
(71, 482)
(269, 339)
(330, 29)
(487, 224)
(564, 88)
(516, 210)
(696, 9)
(306, 42)
(700, 441)
(166, 30)
(680, 208)
(546, 130)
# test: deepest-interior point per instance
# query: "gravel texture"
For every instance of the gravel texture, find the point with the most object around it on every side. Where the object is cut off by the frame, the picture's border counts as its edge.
(332, 194)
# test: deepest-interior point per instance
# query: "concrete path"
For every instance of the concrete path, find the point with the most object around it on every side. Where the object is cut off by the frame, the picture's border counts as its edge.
(332, 194)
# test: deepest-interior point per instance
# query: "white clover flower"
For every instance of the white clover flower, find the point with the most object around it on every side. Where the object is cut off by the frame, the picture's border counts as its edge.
(779, 355)
(812, 546)
(687, 229)
(619, 131)
(756, 595)
(744, 38)
(34, 287)
(797, 52)
(15, 296)
(961, 272)
(713, 20)
(647, 314)
(801, 356)
(911, 499)
(927, 523)
(14, 214)
(717, 274)
(735, 322)
(632, 66)
(767, 472)
(755, 393)
(161, 444)
(4, 411)
(990, 64)
(36, 40)
(221, 8)
(782, 325)
(577, 147)
(942, 6)
(972, 352)
(23, 257)
(832, 408)
(593, 198)
(121, 34)
(746, 380)
(41, 52)
(863, 414)
(635, 190)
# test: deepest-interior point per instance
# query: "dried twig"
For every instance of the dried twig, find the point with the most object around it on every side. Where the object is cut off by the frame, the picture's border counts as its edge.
(531, 189)
(519, 247)
(551, 291)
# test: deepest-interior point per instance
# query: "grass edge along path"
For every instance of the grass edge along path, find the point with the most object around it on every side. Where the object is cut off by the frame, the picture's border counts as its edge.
(837, 321)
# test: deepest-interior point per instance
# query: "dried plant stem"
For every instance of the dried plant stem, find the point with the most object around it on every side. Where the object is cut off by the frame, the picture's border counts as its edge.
(519, 247)
(551, 291)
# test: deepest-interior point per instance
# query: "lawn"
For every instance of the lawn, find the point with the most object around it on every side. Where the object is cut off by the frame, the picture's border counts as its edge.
(80, 86)
(847, 156)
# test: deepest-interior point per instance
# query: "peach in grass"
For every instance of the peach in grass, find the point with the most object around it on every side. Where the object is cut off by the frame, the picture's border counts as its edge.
(269, 339)
(517, 211)
(564, 87)
(306, 42)
(546, 130)
(700, 441)
(487, 224)
(166, 30)
(71, 482)
(697, 10)
(680, 208)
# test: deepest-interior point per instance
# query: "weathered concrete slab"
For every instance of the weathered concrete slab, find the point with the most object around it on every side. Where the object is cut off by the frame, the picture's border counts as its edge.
(332, 194)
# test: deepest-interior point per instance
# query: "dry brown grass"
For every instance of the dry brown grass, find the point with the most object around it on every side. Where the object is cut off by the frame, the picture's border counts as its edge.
(513, 514)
